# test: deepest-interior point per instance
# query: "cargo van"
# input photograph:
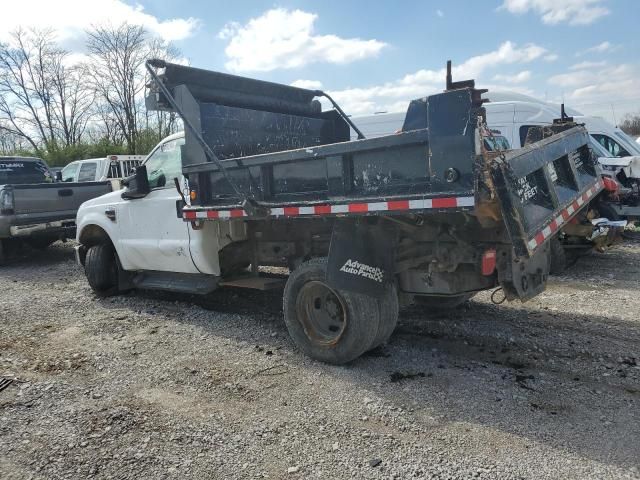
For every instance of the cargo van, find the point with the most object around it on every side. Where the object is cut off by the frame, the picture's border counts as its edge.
(512, 114)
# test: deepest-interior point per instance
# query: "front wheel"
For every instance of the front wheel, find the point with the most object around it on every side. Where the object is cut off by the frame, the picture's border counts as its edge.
(330, 325)
(101, 269)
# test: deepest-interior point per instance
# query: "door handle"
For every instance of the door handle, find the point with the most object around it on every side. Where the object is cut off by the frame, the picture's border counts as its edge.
(65, 192)
(111, 214)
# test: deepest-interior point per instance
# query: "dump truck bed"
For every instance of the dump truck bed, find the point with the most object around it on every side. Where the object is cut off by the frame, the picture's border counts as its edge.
(437, 164)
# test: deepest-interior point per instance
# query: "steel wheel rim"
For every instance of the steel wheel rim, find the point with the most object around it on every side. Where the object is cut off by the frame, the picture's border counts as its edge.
(321, 312)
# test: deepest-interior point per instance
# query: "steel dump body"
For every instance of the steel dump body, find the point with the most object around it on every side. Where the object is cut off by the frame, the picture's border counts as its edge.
(436, 164)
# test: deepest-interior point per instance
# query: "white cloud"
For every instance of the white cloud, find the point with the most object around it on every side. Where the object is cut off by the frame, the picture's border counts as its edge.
(586, 65)
(520, 77)
(552, 57)
(600, 48)
(553, 12)
(394, 96)
(440, 13)
(70, 18)
(309, 84)
(508, 53)
(594, 87)
(281, 38)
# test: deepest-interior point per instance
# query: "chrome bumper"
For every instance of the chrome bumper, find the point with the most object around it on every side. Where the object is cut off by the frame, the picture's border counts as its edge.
(26, 230)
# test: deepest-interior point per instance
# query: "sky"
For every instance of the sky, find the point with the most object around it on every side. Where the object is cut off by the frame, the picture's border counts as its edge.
(376, 56)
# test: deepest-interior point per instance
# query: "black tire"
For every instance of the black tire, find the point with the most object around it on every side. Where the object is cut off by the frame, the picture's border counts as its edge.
(442, 303)
(389, 309)
(3, 253)
(333, 326)
(560, 257)
(101, 269)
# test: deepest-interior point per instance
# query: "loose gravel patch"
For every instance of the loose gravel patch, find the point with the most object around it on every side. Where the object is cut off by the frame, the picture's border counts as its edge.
(149, 386)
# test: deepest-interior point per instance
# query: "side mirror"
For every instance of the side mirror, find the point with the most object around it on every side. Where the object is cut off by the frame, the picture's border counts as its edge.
(58, 176)
(137, 184)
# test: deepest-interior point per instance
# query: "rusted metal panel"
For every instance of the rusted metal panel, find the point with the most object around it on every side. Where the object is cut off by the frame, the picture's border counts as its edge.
(542, 185)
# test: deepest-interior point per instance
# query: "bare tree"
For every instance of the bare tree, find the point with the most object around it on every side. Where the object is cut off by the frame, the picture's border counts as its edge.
(116, 73)
(47, 102)
(163, 123)
(631, 124)
(42, 99)
(73, 101)
(10, 143)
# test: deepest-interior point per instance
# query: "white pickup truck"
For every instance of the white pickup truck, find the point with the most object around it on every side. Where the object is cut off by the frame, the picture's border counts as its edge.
(112, 168)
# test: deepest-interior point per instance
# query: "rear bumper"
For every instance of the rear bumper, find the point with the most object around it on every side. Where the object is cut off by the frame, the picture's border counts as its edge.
(65, 228)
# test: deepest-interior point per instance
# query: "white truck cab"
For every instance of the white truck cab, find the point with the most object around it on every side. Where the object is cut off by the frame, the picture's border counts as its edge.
(149, 233)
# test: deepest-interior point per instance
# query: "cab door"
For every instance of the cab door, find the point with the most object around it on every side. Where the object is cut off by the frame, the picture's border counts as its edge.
(152, 234)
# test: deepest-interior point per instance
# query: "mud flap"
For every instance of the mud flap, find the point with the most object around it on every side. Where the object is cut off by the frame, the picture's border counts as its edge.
(525, 278)
(361, 256)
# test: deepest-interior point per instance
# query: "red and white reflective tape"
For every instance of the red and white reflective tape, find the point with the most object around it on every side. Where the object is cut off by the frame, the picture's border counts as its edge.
(213, 214)
(392, 205)
(564, 216)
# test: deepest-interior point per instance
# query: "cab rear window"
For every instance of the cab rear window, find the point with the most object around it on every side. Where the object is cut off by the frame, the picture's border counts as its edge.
(16, 172)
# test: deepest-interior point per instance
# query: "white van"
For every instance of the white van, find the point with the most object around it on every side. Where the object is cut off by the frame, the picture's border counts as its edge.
(512, 114)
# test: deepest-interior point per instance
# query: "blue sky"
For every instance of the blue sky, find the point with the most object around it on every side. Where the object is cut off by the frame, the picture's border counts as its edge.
(377, 55)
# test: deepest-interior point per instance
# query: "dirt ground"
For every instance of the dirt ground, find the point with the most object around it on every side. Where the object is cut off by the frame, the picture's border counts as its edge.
(153, 385)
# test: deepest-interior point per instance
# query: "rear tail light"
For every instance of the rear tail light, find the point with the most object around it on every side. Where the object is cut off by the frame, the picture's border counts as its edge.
(488, 261)
(610, 184)
(6, 202)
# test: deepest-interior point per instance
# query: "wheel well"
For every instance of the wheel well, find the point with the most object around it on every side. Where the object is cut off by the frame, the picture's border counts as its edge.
(93, 235)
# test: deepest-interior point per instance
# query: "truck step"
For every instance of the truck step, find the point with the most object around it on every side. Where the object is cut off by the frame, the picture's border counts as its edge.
(256, 283)
(177, 282)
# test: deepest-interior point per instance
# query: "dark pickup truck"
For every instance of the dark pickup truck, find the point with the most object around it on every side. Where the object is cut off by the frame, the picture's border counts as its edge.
(33, 208)
(429, 214)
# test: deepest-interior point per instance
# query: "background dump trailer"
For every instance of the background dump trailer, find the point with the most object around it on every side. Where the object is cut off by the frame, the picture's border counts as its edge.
(427, 214)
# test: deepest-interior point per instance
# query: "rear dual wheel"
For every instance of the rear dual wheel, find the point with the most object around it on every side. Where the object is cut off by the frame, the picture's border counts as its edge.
(332, 325)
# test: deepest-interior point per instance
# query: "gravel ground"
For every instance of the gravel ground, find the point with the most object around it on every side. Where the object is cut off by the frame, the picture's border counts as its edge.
(149, 386)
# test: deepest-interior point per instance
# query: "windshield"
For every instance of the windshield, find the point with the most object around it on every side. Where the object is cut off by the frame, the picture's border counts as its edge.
(496, 143)
(598, 149)
(628, 142)
(165, 163)
(16, 171)
(69, 172)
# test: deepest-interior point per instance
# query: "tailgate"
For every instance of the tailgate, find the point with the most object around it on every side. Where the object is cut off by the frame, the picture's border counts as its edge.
(543, 185)
(50, 199)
